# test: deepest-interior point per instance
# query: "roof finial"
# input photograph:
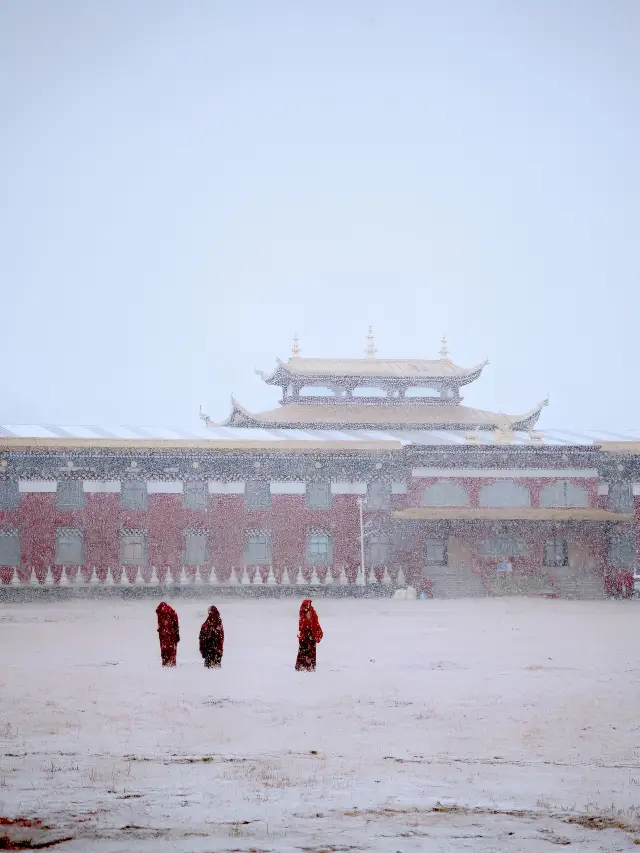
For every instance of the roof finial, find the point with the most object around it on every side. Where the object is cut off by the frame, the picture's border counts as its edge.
(444, 352)
(370, 350)
(295, 349)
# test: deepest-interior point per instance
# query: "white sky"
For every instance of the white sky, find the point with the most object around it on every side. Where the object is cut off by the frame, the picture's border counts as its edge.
(187, 184)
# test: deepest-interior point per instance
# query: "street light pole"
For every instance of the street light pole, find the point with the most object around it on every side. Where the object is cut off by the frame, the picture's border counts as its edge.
(360, 580)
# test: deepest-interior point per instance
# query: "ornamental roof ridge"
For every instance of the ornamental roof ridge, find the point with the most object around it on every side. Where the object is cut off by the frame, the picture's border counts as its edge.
(411, 370)
(372, 415)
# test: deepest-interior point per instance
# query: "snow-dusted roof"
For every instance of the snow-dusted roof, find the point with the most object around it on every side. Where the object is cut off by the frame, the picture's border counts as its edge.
(203, 433)
(412, 370)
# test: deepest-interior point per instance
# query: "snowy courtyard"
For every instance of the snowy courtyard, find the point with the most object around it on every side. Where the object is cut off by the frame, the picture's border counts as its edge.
(444, 725)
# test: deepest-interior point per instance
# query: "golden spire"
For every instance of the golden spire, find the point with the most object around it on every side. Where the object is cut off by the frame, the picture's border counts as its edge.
(295, 349)
(444, 352)
(370, 350)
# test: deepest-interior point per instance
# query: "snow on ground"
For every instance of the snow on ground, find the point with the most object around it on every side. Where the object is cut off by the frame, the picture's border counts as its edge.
(484, 725)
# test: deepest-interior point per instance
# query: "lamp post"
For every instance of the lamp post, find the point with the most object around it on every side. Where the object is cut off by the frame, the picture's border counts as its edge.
(360, 579)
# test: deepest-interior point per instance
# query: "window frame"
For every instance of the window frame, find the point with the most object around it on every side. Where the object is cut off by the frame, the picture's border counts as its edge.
(195, 499)
(69, 536)
(547, 499)
(14, 537)
(556, 563)
(432, 541)
(620, 541)
(69, 495)
(267, 549)
(317, 557)
(519, 488)
(10, 496)
(378, 539)
(192, 536)
(137, 487)
(381, 500)
(133, 561)
(451, 484)
(311, 490)
(257, 495)
(616, 503)
(521, 548)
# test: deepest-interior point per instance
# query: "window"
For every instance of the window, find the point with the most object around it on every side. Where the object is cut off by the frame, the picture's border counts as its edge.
(504, 493)
(69, 494)
(621, 497)
(563, 493)
(378, 549)
(502, 546)
(195, 548)
(194, 495)
(9, 548)
(445, 493)
(319, 550)
(622, 550)
(378, 495)
(435, 552)
(69, 547)
(258, 551)
(257, 495)
(133, 549)
(319, 495)
(556, 552)
(133, 495)
(9, 494)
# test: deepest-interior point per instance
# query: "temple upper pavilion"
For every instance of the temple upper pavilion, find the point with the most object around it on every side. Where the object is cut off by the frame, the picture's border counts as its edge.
(349, 404)
(369, 476)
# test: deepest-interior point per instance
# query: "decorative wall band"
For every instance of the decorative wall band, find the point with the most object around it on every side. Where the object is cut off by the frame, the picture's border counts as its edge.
(37, 486)
(603, 489)
(216, 487)
(164, 487)
(398, 488)
(636, 489)
(101, 486)
(290, 487)
(342, 488)
(511, 473)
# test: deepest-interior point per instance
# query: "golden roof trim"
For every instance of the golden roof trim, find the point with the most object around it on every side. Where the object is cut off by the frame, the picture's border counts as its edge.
(196, 444)
(624, 448)
(365, 414)
(427, 513)
(380, 368)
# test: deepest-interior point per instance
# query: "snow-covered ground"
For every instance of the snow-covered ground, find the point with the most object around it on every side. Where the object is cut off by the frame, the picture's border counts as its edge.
(484, 725)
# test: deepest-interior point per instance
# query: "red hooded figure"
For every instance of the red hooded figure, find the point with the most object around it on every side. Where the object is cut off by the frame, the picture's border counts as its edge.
(169, 633)
(212, 639)
(309, 635)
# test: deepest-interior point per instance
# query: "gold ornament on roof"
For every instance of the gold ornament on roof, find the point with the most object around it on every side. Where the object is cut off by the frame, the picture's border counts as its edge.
(295, 349)
(370, 350)
(444, 352)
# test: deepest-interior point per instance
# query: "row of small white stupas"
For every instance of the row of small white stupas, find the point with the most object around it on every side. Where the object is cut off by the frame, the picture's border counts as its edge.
(289, 578)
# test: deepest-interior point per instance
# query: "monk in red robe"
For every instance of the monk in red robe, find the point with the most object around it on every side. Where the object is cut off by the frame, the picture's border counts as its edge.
(169, 633)
(212, 639)
(309, 635)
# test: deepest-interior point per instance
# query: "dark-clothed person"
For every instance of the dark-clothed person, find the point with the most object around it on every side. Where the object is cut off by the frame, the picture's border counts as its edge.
(309, 635)
(212, 639)
(168, 632)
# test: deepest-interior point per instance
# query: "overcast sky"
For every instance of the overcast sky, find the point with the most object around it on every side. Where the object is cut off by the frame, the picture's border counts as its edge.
(187, 183)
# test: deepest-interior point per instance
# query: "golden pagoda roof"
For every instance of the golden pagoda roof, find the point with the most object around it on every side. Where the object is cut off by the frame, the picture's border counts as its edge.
(363, 415)
(406, 370)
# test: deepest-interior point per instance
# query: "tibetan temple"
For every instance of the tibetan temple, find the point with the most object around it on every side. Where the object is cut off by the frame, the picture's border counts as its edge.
(369, 476)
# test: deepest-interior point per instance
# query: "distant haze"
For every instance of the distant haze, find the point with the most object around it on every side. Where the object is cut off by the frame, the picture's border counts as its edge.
(188, 184)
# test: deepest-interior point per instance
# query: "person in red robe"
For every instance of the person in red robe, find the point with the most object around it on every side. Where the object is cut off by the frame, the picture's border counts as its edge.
(169, 633)
(309, 635)
(212, 639)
